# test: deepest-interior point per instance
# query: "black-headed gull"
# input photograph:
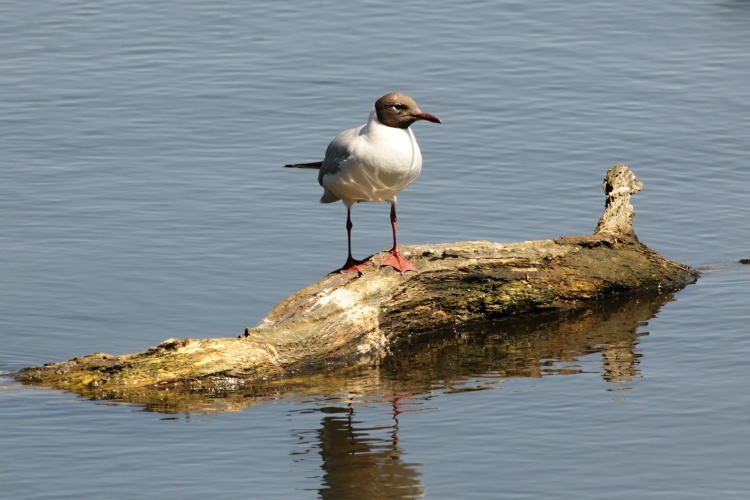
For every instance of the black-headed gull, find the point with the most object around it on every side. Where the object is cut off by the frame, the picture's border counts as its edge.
(374, 162)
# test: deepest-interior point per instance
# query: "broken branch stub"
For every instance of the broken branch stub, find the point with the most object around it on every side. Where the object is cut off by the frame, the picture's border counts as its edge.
(618, 185)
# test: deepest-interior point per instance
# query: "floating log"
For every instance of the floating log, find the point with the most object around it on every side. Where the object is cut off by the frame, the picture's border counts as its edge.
(345, 321)
(461, 358)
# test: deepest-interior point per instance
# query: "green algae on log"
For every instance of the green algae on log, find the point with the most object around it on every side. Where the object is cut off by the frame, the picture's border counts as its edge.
(345, 320)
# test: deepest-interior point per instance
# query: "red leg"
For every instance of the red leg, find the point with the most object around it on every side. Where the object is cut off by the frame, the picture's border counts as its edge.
(395, 259)
(351, 265)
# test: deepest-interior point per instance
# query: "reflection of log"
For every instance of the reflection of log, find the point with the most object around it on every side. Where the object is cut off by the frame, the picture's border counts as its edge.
(348, 320)
(528, 347)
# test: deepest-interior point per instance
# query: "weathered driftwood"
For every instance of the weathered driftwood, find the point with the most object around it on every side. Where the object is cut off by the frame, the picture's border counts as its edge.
(451, 359)
(345, 320)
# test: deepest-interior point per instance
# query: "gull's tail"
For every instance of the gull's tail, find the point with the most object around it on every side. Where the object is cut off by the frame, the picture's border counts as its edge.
(315, 164)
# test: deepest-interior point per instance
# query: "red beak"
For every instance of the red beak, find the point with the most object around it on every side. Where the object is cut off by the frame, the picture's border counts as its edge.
(428, 117)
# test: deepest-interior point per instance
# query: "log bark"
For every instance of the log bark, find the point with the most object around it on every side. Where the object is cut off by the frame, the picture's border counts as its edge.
(345, 320)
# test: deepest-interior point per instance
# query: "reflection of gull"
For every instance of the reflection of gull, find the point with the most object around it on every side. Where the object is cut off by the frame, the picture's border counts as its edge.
(374, 162)
(361, 460)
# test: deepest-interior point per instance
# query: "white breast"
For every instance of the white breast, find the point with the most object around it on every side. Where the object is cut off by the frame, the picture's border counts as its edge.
(379, 163)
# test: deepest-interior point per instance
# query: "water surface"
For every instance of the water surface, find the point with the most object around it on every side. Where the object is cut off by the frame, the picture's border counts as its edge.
(142, 198)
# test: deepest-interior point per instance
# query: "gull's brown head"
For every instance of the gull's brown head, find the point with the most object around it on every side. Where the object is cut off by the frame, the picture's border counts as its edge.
(400, 111)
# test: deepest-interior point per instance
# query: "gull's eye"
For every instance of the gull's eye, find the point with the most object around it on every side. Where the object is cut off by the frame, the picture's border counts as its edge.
(398, 106)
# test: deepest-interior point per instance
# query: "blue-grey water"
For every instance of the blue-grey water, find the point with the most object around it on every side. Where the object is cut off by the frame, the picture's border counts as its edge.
(142, 198)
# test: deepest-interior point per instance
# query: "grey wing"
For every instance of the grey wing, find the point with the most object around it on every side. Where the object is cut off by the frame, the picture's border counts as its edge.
(337, 152)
